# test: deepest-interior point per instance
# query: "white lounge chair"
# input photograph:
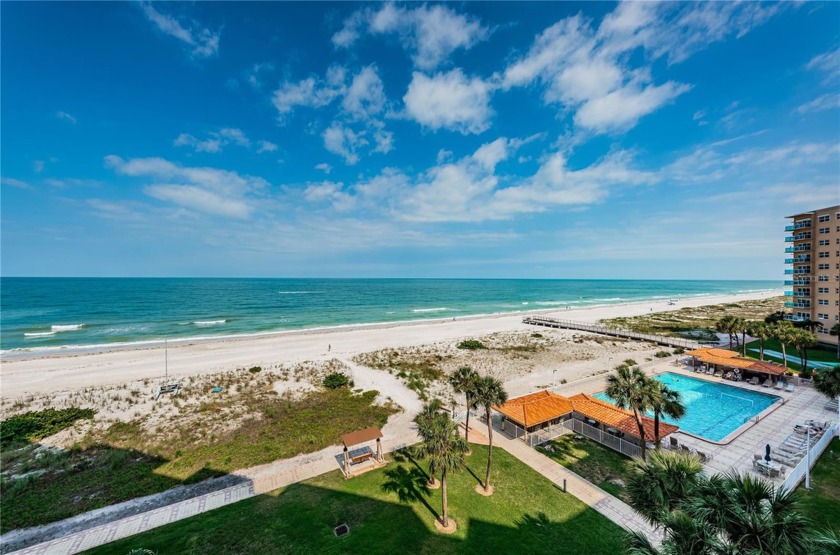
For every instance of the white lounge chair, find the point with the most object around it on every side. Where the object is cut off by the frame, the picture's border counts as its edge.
(753, 381)
(766, 383)
(790, 388)
(779, 385)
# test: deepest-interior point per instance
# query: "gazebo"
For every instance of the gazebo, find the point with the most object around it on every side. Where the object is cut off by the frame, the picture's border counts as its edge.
(723, 359)
(355, 452)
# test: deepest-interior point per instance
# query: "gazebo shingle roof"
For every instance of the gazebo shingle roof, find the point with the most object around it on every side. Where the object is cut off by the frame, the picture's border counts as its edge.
(617, 418)
(536, 408)
(731, 359)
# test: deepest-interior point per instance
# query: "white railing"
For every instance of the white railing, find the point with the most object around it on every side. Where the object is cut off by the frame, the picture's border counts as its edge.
(547, 434)
(611, 441)
(798, 473)
(615, 332)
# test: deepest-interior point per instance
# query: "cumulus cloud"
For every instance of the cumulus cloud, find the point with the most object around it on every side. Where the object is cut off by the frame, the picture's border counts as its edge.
(216, 140)
(201, 189)
(266, 146)
(429, 33)
(324, 167)
(623, 107)
(343, 141)
(449, 100)
(330, 192)
(202, 41)
(366, 94)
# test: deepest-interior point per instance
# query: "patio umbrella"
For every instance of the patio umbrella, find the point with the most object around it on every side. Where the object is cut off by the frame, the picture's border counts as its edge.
(767, 453)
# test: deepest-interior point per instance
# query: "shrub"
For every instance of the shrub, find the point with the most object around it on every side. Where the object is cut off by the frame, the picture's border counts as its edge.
(40, 424)
(630, 362)
(537, 335)
(336, 380)
(471, 344)
(255, 369)
(679, 351)
(662, 354)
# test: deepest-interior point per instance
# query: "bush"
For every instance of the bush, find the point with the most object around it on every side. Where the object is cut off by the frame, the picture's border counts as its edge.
(255, 369)
(537, 335)
(40, 424)
(471, 344)
(679, 351)
(662, 354)
(630, 362)
(336, 380)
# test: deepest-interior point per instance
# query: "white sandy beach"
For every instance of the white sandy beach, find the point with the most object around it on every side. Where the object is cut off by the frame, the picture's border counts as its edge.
(49, 373)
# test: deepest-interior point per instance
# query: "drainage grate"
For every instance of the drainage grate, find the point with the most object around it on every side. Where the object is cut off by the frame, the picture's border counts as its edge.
(341, 530)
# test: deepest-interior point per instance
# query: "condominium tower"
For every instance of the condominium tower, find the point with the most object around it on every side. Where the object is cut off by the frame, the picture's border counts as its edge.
(813, 252)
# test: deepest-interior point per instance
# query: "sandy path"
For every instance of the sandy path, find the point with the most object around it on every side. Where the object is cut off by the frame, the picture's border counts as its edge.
(19, 377)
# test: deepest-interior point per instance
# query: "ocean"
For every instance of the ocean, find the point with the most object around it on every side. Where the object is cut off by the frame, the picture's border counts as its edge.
(53, 313)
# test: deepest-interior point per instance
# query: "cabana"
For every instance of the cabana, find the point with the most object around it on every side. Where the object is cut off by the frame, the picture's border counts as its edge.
(358, 455)
(615, 421)
(534, 412)
(723, 360)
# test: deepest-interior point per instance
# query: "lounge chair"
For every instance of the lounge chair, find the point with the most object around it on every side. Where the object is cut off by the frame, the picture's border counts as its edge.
(674, 443)
(703, 456)
(766, 383)
(718, 374)
(728, 376)
(779, 385)
(753, 381)
(757, 458)
(790, 388)
(710, 371)
(831, 405)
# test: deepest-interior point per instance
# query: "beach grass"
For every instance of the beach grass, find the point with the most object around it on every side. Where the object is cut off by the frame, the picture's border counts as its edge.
(602, 466)
(822, 503)
(679, 323)
(129, 460)
(390, 510)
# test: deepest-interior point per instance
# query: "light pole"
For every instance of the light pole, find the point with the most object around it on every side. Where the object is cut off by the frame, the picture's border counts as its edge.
(554, 378)
(808, 461)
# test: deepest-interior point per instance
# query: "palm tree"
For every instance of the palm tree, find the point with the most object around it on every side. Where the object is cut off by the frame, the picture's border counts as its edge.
(827, 382)
(444, 447)
(426, 420)
(463, 381)
(783, 332)
(739, 325)
(835, 331)
(630, 389)
(803, 340)
(665, 401)
(760, 331)
(721, 514)
(726, 325)
(488, 392)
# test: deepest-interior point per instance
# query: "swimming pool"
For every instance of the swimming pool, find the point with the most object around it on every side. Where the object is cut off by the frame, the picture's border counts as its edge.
(713, 410)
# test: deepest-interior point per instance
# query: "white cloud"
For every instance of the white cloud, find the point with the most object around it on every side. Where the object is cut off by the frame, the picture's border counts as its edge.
(366, 94)
(622, 108)
(65, 116)
(266, 146)
(430, 33)
(324, 167)
(828, 101)
(254, 75)
(17, 183)
(343, 141)
(828, 62)
(38, 166)
(449, 100)
(203, 42)
(216, 141)
(201, 189)
(309, 92)
(331, 192)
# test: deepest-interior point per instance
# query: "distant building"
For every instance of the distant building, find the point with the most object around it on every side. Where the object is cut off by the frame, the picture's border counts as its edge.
(813, 278)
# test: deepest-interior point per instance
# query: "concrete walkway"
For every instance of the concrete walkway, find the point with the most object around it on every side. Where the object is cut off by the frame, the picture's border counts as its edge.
(609, 506)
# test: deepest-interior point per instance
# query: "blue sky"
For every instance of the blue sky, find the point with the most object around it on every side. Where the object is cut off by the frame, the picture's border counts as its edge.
(534, 140)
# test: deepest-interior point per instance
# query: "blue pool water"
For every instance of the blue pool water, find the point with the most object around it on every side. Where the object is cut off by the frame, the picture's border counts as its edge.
(713, 410)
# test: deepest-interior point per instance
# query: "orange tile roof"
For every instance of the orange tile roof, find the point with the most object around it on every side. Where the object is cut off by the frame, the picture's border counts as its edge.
(614, 417)
(732, 360)
(535, 408)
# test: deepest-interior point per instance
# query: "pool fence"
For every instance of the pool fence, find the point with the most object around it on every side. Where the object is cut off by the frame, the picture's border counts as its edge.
(798, 473)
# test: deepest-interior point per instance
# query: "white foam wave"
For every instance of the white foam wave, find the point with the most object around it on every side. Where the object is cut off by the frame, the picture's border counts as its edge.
(209, 322)
(68, 327)
(552, 303)
(39, 334)
(441, 309)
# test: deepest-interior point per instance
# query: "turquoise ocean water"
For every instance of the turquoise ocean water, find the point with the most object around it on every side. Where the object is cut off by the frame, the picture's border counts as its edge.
(48, 313)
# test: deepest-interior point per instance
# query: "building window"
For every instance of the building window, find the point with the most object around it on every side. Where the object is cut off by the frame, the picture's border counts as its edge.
(824, 230)
(824, 218)
(822, 278)
(823, 302)
(822, 290)
(824, 242)
(824, 254)
(823, 266)
(822, 316)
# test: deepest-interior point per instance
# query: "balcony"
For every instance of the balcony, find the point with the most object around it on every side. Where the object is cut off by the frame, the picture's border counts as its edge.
(788, 282)
(802, 248)
(801, 294)
(801, 259)
(804, 224)
(794, 318)
(788, 272)
(802, 236)
(789, 228)
(790, 250)
(797, 304)
(788, 260)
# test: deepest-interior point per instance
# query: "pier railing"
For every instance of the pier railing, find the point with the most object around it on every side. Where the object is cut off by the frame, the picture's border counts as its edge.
(614, 332)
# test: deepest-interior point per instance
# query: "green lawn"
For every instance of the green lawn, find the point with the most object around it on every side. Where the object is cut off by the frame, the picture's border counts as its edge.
(816, 355)
(390, 511)
(129, 462)
(822, 503)
(600, 465)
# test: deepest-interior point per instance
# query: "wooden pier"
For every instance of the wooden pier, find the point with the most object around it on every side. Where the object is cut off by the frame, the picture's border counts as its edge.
(614, 332)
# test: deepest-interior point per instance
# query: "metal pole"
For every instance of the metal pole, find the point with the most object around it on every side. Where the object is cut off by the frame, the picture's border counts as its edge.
(808, 462)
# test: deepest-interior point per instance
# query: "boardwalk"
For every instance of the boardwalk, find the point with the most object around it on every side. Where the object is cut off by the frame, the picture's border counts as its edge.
(614, 332)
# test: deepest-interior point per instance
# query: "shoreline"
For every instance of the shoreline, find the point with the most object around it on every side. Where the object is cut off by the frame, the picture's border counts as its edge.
(29, 353)
(66, 371)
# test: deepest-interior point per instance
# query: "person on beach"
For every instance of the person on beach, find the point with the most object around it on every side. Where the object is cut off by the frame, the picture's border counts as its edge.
(329, 347)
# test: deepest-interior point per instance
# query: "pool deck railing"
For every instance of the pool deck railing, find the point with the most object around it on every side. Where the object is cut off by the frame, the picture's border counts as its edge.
(614, 332)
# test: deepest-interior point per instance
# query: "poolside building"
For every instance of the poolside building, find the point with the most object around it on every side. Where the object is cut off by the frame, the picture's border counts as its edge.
(721, 360)
(812, 252)
(540, 412)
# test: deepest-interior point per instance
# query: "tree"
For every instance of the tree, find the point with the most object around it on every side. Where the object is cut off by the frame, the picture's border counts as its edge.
(783, 331)
(810, 325)
(664, 401)
(726, 325)
(463, 381)
(630, 388)
(827, 382)
(488, 392)
(426, 420)
(444, 447)
(803, 340)
(835, 331)
(775, 317)
(760, 331)
(722, 514)
(739, 325)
